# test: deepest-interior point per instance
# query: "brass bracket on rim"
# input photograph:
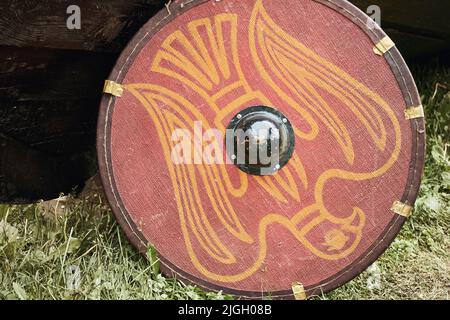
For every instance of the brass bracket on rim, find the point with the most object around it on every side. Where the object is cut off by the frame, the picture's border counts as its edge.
(299, 291)
(113, 88)
(402, 209)
(383, 46)
(414, 112)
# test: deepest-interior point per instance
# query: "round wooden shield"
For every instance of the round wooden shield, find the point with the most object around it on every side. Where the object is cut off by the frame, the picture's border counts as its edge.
(318, 221)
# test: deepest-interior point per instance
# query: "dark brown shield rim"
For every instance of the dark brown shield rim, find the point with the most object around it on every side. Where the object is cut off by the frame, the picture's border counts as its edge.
(411, 96)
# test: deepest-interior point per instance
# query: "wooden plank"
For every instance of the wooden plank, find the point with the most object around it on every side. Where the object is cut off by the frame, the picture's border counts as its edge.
(418, 17)
(419, 29)
(44, 74)
(48, 113)
(26, 173)
(48, 125)
(414, 47)
(48, 96)
(109, 25)
(106, 25)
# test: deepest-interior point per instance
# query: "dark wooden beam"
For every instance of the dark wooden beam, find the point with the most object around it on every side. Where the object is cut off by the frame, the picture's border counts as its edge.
(419, 17)
(28, 175)
(105, 25)
(49, 102)
(49, 97)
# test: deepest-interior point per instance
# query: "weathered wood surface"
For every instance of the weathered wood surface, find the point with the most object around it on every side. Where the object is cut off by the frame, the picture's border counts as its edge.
(49, 96)
(419, 27)
(51, 77)
(428, 18)
(50, 84)
(48, 104)
(107, 25)
(33, 173)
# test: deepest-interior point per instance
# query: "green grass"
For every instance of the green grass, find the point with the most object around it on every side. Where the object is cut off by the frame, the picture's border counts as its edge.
(40, 252)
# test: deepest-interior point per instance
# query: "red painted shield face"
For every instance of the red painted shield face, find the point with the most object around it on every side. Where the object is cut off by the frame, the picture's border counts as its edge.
(321, 218)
